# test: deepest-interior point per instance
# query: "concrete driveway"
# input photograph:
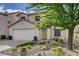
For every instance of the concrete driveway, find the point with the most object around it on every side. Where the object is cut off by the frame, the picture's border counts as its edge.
(6, 44)
(11, 43)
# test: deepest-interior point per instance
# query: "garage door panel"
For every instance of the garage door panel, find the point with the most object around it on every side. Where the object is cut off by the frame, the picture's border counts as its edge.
(24, 34)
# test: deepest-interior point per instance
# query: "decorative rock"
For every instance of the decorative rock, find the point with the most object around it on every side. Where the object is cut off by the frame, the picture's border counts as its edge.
(43, 47)
(37, 54)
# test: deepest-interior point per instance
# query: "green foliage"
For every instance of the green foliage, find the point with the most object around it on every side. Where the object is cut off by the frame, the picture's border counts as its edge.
(44, 24)
(57, 51)
(59, 15)
(61, 41)
(25, 43)
(64, 15)
(57, 42)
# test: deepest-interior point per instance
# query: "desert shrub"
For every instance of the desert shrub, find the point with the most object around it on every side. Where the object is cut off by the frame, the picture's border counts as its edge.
(19, 49)
(57, 51)
(25, 44)
(55, 39)
(42, 42)
(54, 42)
(29, 46)
(59, 42)
(14, 49)
(23, 51)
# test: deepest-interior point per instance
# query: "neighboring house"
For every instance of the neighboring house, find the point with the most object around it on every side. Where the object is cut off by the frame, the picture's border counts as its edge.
(21, 26)
(4, 24)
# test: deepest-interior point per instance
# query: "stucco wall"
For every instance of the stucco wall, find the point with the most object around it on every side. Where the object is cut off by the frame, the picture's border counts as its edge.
(21, 25)
(3, 25)
(64, 34)
(13, 17)
(32, 17)
(76, 32)
(24, 25)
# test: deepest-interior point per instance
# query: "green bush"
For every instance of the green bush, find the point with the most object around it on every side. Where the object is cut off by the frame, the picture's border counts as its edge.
(55, 39)
(59, 42)
(57, 51)
(25, 44)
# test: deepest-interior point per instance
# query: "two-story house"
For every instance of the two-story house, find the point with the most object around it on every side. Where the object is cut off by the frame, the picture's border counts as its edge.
(21, 26)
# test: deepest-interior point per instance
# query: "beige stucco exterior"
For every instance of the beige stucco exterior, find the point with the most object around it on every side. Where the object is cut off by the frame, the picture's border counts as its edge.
(26, 25)
(12, 17)
(43, 34)
(4, 25)
(64, 34)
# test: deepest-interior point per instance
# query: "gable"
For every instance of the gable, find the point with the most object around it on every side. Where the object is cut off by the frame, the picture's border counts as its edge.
(23, 15)
(23, 24)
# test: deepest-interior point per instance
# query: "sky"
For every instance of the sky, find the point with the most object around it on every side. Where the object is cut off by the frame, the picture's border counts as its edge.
(9, 7)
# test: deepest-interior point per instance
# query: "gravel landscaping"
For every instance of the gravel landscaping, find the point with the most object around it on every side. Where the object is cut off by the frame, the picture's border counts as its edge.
(41, 50)
(36, 51)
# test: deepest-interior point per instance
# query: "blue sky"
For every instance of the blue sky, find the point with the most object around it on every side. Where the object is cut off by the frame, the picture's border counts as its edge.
(14, 6)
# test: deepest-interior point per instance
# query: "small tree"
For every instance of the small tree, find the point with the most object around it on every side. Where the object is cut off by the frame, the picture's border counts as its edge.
(63, 15)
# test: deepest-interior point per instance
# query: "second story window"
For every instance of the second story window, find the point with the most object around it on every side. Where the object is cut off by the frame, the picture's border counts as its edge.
(22, 17)
(37, 18)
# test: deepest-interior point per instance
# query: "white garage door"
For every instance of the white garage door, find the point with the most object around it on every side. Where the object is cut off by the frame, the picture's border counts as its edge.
(25, 34)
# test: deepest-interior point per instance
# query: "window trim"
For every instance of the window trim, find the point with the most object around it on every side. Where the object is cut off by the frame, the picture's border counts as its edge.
(57, 34)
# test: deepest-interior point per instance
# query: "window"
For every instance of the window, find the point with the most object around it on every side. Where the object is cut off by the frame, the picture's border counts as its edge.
(57, 32)
(22, 17)
(37, 18)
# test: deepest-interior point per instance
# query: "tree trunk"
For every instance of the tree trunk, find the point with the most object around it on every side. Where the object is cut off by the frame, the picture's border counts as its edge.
(70, 38)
